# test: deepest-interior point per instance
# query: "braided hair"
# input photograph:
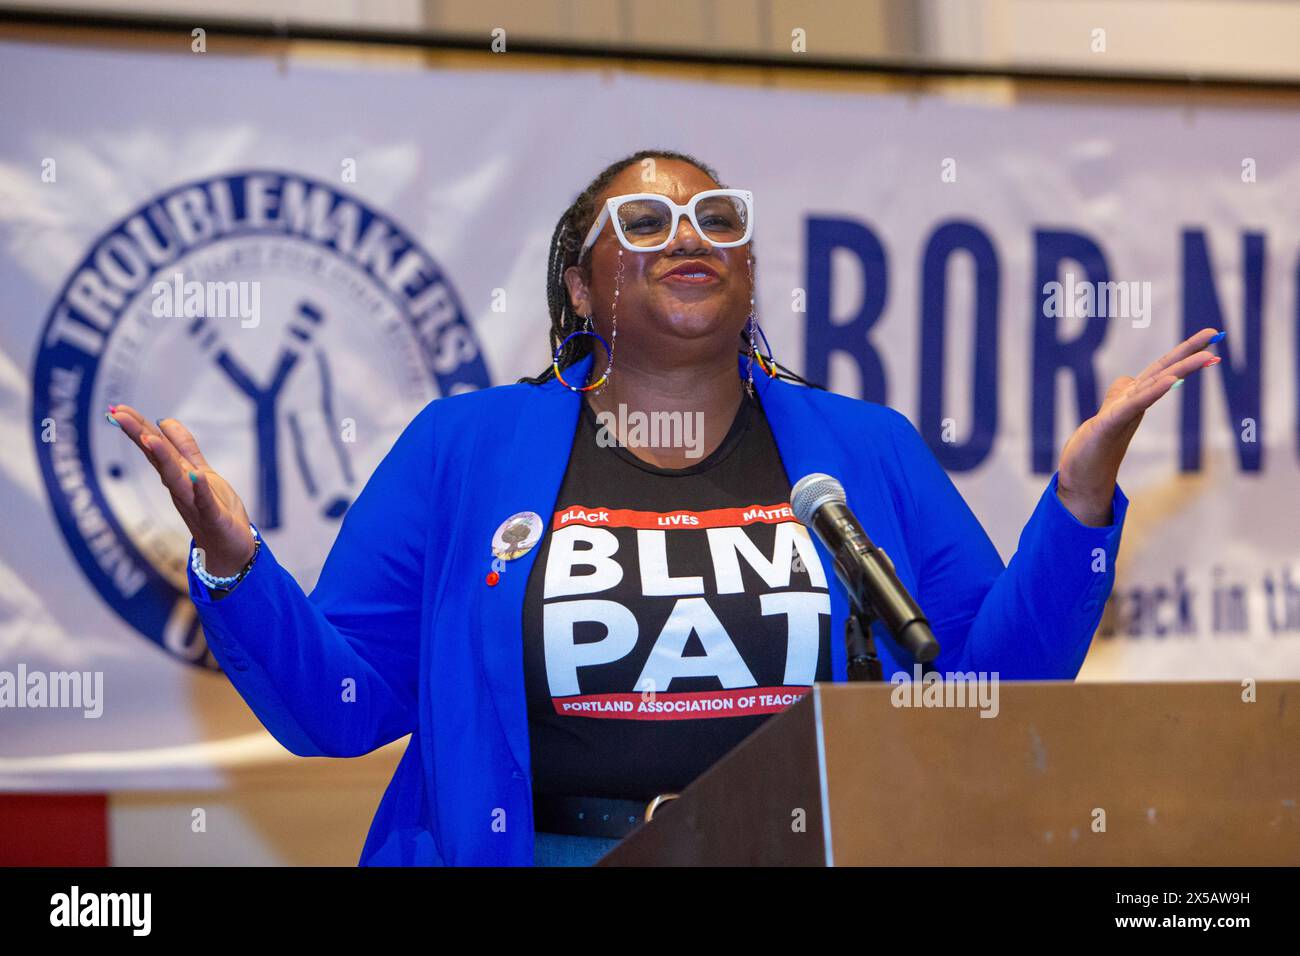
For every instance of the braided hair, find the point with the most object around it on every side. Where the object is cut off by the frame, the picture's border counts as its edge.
(569, 234)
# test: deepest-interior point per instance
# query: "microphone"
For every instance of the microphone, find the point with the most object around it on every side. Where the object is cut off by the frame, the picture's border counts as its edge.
(865, 570)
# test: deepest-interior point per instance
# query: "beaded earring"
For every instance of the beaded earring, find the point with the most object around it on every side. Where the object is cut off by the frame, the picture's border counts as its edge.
(754, 332)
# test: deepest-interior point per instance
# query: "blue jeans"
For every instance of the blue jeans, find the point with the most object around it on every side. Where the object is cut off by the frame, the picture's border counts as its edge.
(555, 849)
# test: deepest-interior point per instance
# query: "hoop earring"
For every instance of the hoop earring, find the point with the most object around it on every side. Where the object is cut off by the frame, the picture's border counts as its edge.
(555, 361)
(590, 330)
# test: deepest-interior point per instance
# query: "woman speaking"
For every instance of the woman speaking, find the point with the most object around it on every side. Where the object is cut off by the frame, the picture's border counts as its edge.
(571, 615)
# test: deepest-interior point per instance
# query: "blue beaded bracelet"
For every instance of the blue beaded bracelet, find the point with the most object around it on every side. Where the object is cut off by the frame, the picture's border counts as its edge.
(223, 584)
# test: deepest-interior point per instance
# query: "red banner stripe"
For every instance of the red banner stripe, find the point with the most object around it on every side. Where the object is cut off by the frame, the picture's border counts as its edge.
(745, 702)
(53, 829)
(672, 520)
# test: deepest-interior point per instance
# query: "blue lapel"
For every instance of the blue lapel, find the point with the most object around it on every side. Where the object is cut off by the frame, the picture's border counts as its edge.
(528, 478)
(806, 448)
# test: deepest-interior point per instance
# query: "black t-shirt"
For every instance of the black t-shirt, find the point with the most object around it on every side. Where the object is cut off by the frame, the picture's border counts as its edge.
(668, 614)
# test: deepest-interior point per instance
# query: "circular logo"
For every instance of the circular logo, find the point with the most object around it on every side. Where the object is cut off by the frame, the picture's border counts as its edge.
(294, 330)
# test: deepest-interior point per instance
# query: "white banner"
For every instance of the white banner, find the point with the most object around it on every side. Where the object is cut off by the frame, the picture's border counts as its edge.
(380, 238)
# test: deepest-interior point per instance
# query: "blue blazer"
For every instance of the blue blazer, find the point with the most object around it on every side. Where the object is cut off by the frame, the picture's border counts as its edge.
(402, 635)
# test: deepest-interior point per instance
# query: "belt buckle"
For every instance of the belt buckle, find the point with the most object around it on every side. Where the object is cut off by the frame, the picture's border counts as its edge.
(658, 802)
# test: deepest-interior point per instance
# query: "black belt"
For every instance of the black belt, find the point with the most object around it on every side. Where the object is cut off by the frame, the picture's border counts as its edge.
(592, 816)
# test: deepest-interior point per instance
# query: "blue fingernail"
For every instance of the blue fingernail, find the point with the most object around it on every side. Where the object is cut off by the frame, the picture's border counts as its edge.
(112, 420)
(1177, 384)
(1218, 337)
(194, 478)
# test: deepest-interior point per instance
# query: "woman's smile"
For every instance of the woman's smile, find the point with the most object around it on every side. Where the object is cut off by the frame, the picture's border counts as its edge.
(692, 272)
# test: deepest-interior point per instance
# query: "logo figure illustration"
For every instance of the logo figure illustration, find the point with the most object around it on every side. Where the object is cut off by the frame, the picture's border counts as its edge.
(265, 401)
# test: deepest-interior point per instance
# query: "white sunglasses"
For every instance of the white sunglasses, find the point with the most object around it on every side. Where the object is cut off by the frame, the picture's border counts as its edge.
(647, 222)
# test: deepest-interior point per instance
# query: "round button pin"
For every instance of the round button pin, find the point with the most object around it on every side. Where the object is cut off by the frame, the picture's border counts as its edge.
(517, 535)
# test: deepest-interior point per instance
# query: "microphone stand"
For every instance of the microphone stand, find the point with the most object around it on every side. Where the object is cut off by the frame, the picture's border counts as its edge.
(864, 664)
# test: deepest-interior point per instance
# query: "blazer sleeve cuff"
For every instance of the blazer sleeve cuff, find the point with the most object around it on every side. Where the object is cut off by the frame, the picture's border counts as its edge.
(1065, 523)
(222, 617)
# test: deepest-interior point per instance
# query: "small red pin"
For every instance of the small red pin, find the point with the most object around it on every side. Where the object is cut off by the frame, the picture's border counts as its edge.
(493, 578)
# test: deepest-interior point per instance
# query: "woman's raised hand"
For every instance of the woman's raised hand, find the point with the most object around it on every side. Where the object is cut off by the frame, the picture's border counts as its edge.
(1091, 458)
(206, 503)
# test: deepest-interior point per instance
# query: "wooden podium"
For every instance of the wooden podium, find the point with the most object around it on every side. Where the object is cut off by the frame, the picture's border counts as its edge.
(1065, 774)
